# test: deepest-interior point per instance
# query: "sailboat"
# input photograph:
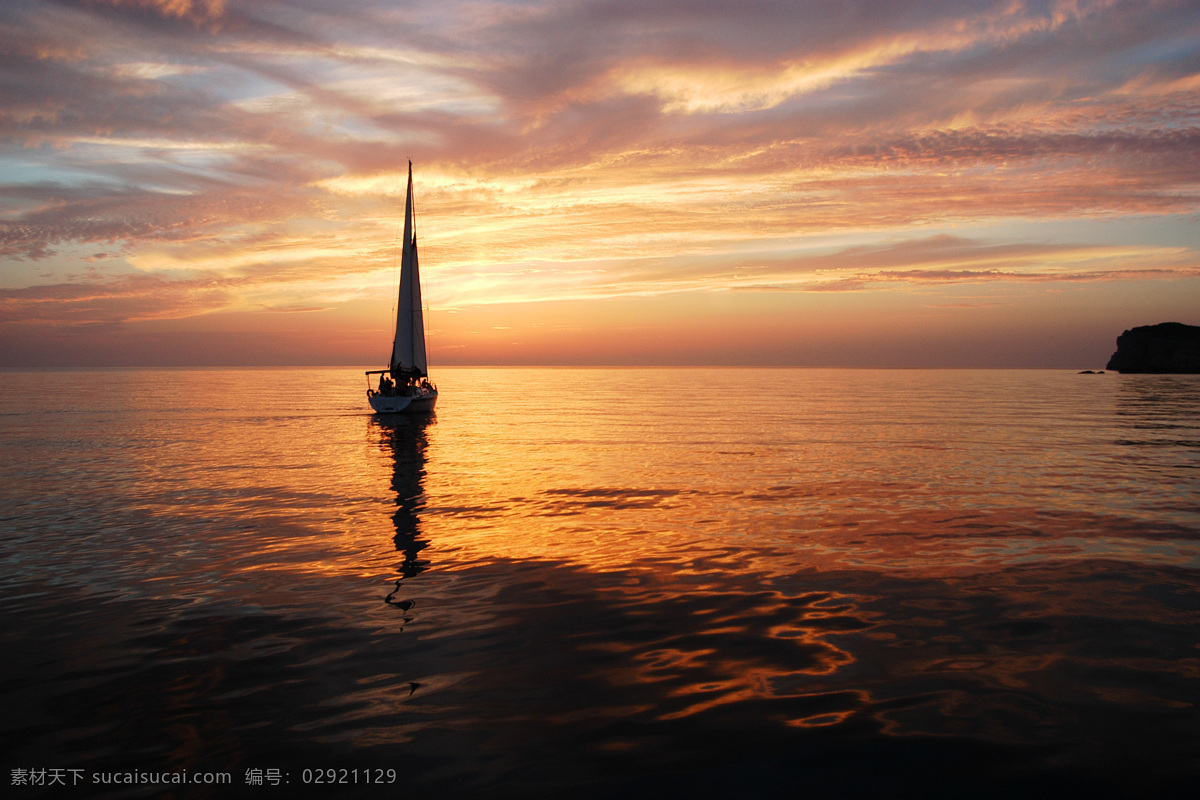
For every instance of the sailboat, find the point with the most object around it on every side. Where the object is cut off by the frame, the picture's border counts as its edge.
(404, 387)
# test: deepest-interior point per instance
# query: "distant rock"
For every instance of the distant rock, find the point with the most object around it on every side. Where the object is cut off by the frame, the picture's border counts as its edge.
(1169, 347)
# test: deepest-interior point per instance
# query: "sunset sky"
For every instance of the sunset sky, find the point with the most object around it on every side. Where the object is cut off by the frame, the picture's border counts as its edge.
(900, 183)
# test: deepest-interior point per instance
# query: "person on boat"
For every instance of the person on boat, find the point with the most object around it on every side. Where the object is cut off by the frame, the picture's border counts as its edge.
(385, 384)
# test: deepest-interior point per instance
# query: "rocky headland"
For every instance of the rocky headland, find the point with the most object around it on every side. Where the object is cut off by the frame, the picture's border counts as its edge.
(1169, 347)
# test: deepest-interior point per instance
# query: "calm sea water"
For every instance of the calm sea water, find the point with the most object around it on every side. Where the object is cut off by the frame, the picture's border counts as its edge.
(603, 583)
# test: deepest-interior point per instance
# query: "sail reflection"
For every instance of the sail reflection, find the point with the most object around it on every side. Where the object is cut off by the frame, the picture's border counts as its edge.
(406, 439)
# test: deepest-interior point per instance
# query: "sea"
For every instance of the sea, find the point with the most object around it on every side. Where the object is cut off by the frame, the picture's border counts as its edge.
(600, 583)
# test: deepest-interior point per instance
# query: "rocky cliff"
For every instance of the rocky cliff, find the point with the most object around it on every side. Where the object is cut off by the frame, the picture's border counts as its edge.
(1170, 347)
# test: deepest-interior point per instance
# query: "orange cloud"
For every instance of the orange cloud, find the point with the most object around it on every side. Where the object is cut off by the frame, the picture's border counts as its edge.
(196, 11)
(591, 152)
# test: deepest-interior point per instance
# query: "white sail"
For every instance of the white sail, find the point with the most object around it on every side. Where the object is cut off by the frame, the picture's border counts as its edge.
(418, 318)
(408, 348)
(404, 387)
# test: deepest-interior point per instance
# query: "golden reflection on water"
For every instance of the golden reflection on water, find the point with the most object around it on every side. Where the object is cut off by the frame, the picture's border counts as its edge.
(808, 481)
(614, 562)
(925, 471)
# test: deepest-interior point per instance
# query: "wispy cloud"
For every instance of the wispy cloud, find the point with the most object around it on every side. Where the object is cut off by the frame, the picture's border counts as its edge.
(601, 148)
(134, 297)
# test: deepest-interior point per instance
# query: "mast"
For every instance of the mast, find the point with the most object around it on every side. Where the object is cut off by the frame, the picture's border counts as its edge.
(408, 348)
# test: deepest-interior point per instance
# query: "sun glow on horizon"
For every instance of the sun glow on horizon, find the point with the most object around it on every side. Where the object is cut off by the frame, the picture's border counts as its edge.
(670, 162)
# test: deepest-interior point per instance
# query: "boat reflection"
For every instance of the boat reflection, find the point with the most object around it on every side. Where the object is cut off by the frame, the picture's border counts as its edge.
(405, 438)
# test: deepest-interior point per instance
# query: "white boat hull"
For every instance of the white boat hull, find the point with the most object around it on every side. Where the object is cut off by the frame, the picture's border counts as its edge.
(403, 404)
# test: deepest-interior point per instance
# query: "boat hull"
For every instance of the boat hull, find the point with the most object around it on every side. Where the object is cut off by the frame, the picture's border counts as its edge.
(403, 404)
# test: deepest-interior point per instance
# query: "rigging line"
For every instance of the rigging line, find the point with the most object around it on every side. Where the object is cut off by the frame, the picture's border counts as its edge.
(396, 274)
(414, 205)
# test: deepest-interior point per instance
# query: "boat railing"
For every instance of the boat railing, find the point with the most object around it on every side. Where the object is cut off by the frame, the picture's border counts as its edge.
(421, 388)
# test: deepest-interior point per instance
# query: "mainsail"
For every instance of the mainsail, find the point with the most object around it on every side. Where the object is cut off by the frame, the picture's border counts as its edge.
(408, 348)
